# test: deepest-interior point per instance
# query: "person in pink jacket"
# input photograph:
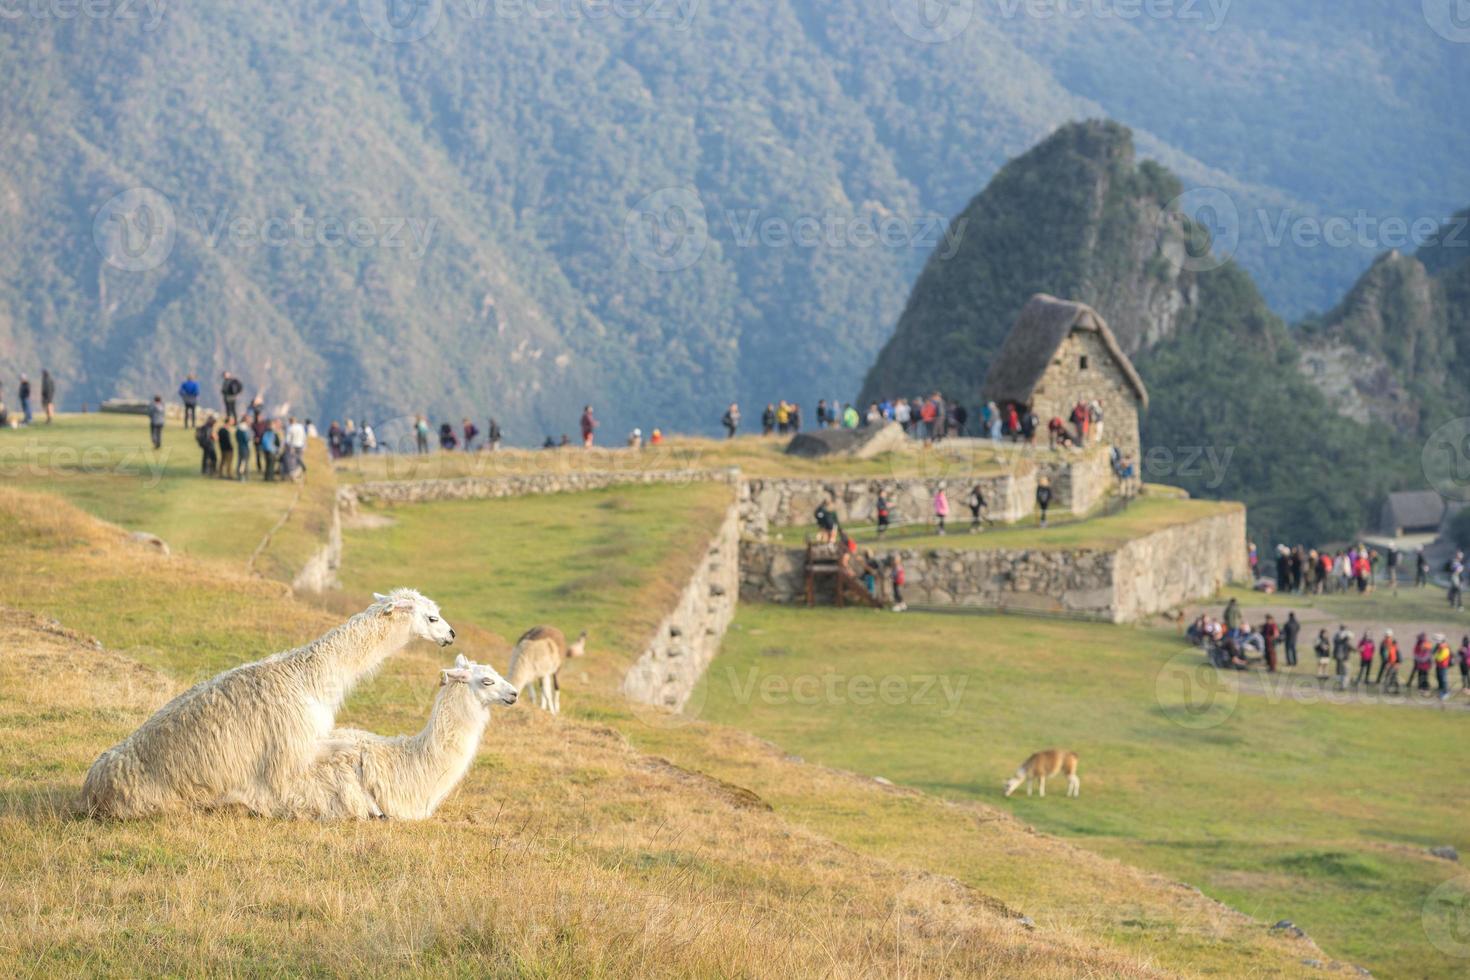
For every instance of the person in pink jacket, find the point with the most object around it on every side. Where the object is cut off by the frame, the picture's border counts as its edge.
(941, 507)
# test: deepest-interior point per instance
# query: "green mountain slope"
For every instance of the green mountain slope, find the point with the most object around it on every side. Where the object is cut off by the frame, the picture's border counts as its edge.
(1078, 217)
(1394, 351)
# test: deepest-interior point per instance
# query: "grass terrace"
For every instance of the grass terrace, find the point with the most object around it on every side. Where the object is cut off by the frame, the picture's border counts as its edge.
(1319, 813)
(106, 465)
(1147, 514)
(756, 456)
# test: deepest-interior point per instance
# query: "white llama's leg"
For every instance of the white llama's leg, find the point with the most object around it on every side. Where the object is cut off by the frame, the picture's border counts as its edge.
(1030, 784)
(1074, 786)
(1043, 786)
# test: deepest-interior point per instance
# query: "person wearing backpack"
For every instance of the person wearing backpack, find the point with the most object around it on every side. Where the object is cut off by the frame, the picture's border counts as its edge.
(471, 432)
(978, 508)
(204, 436)
(1388, 670)
(1420, 670)
(229, 390)
(226, 438)
(731, 420)
(269, 448)
(1043, 497)
(826, 520)
(1442, 659)
(883, 513)
(1342, 648)
(897, 575)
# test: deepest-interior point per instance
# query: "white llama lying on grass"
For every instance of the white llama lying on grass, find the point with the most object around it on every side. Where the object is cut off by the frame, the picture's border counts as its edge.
(537, 657)
(248, 735)
(363, 775)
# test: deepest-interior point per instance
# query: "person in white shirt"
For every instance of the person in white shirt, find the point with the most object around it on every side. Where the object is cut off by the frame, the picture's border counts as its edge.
(296, 435)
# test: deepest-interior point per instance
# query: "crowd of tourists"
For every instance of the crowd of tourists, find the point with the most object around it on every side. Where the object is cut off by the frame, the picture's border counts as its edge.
(241, 438)
(1357, 568)
(1232, 643)
(934, 418)
(25, 401)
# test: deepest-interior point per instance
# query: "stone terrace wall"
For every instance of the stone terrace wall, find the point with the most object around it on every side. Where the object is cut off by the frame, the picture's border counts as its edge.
(771, 502)
(517, 485)
(689, 636)
(1074, 582)
(1168, 568)
(1081, 482)
(1151, 574)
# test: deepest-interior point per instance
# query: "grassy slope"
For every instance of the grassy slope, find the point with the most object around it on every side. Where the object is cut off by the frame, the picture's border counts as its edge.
(1317, 813)
(1069, 892)
(106, 465)
(565, 851)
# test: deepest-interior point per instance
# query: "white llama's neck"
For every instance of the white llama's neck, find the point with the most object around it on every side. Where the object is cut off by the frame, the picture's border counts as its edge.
(448, 743)
(338, 660)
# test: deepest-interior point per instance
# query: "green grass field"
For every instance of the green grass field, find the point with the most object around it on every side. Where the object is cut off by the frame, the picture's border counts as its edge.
(106, 465)
(754, 455)
(1321, 814)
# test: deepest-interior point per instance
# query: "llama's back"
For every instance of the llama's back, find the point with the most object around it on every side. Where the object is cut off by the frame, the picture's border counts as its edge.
(241, 736)
(538, 653)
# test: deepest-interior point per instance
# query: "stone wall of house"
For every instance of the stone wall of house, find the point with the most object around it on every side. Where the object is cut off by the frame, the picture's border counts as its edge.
(517, 485)
(766, 503)
(688, 638)
(1066, 381)
(1151, 574)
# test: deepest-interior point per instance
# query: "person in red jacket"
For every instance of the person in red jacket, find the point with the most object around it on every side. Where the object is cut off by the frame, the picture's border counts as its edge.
(1270, 632)
(1366, 649)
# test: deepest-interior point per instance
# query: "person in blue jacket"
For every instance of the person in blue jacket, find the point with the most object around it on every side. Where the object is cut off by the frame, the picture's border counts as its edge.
(189, 392)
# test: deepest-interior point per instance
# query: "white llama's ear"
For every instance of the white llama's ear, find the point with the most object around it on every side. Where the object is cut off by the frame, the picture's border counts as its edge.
(379, 597)
(460, 674)
(461, 662)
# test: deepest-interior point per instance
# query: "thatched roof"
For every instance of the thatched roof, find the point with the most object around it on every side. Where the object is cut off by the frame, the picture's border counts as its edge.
(1044, 323)
(1412, 510)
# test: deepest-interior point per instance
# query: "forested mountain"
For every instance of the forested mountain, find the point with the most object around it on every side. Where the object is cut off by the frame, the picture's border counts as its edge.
(1231, 414)
(1396, 349)
(516, 208)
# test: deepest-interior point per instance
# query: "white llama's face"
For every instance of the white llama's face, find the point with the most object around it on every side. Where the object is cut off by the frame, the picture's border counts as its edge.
(1012, 783)
(425, 620)
(485, 684)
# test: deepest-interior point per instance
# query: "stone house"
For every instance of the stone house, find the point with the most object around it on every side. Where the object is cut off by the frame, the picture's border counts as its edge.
(1060, 352)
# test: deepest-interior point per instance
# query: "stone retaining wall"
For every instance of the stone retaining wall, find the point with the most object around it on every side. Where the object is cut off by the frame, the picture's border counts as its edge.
(320, 571)
(690, 635)
(1151, 574)
(1080, 482)
(1169, 568)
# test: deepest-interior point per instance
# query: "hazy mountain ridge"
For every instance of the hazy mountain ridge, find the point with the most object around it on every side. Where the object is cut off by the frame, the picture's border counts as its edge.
(522, 145)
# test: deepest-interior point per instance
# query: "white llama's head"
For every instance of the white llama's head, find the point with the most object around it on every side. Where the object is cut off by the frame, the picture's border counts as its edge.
(1013, 782)
(485, 684)
(425, 620)
(579, 648)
